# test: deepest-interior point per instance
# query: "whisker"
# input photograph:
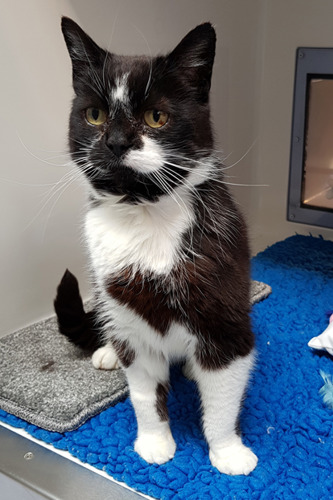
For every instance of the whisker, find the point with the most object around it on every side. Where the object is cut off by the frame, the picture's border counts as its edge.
(48, 196)
(95, 77)
(244, 155)
(37, 157)
(78, 175)
(203, 174)
(150, 58)
(25, 184)
(162, 182)
(107, 54)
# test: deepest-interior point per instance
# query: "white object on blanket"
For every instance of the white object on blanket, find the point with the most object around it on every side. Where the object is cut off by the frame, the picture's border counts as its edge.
(324, 341)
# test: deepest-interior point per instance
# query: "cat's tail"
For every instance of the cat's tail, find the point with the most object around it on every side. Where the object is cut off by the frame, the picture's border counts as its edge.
(78, 326)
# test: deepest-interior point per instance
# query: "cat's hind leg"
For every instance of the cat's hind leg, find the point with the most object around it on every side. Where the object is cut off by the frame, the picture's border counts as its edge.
(105, 358)
(221, 393)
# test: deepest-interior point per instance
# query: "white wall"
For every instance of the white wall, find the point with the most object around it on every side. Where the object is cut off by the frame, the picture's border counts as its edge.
(287, 24)
(42, 202)
(39, 228)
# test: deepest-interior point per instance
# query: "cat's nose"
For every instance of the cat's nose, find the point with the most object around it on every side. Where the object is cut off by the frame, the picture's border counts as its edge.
(119, 144)
(119, 148)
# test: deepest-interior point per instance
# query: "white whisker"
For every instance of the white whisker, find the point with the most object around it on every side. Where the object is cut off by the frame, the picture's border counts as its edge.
(244, 155)
(203, 174)
(37, 157)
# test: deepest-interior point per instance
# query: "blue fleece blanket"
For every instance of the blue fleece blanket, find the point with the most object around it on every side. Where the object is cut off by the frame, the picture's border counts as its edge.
(284, 418)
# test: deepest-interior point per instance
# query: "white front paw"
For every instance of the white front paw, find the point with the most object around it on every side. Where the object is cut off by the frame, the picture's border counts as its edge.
(155, 448)
(233, 459)
(105, 358)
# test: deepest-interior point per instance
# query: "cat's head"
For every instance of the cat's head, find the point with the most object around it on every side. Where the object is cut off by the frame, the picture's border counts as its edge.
(140, 126)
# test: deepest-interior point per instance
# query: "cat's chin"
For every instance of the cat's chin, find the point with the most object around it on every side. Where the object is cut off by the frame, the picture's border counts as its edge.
(118, 197)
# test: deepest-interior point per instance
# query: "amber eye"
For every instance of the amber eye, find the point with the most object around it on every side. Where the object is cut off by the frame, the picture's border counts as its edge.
(155, 118)
(95, 116)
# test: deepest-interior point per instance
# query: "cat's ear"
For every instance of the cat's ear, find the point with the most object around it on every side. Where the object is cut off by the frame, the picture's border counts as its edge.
(84, 52)
(194, 56)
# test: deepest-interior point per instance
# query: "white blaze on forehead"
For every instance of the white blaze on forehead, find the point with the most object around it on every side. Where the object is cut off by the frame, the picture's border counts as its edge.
(120, 90)
(147, 159)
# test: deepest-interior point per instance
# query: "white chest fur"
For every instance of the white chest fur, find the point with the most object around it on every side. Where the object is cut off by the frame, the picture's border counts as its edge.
(146, 237)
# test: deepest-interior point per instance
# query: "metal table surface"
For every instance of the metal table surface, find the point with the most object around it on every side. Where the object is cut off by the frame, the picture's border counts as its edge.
(45, 474)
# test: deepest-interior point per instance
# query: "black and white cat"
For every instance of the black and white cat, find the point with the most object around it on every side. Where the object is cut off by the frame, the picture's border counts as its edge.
(168, 248)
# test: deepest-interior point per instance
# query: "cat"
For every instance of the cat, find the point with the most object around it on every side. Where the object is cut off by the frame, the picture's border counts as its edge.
(167, 245)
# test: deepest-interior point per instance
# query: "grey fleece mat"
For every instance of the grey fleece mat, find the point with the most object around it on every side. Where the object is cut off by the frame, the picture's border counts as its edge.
(52, 384)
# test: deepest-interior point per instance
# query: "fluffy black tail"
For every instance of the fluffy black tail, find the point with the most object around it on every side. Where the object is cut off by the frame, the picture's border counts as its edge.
(79, 327)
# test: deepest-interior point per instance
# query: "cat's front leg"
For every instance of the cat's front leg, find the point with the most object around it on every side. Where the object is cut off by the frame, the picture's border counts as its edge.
(148, 384)
(221, 393)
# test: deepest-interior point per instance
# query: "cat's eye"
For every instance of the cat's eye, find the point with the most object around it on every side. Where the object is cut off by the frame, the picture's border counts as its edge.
(155, 118)
(95, 116)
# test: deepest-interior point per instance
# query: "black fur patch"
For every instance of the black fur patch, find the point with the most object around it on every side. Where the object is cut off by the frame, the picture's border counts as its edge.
(79, 327)
(124, 352)
(161, 401)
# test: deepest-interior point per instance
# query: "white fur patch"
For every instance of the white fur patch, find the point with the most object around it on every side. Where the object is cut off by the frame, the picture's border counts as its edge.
(223, 390)
(177, 343)
(156, 446)
(120, 91)
(145, 236)
(233, 458)
(150, 158)
(204, 169)
(105, 358)
(221, 395)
